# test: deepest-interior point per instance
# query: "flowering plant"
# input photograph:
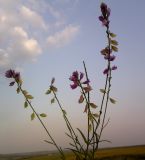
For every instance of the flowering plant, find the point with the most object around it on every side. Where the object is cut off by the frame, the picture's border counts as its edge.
(79, 80)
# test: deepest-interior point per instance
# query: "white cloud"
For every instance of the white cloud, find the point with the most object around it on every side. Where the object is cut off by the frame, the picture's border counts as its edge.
(63, 37)
(27, 27)
(32, 17)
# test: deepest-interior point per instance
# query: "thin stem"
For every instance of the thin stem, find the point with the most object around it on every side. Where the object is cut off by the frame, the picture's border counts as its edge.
(54, 143)
(72, 132)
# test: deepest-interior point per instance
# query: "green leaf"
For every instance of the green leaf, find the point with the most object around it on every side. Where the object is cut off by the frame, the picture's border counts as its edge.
(102, 91)
(96, 115)
(25, 104)
(86, 108)
(112, 100)
(83, 136)
(64, 112)
(43, 115)
(48, 142)
(114, 48)
(52, 100)
(54, 89)
(48, 91)
(29, 96)
(114, 42)
(81, 99)
(90, 127)
(87, 89)
(25, 92)
(32, 116)
(112, 35)
(93, 105)
(18, 90)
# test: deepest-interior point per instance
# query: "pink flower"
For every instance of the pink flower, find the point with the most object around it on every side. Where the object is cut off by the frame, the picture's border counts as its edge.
(76, 78)
(114, 67)
(12, 74)
(110, 57)
(106, 71)
(104, 18)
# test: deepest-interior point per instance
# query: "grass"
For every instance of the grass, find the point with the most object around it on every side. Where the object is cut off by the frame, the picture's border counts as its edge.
(110, 153)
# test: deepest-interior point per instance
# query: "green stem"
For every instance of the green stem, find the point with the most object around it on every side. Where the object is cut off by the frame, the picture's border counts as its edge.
(53, 141)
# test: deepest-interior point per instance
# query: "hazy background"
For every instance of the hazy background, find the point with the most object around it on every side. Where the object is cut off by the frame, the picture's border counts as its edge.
(48, 38)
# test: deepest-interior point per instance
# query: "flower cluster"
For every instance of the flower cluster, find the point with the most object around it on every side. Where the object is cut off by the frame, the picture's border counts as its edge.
(76, 78)
(104, 18)
(112, 44)
(13, 74)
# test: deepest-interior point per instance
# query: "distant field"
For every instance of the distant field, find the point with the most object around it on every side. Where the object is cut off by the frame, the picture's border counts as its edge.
(120, 153)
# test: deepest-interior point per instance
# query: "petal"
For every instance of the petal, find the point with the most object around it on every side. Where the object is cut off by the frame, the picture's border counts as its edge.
(106, 71)
(12, 83)
(81, 75)
(114, 67)
(73, 86)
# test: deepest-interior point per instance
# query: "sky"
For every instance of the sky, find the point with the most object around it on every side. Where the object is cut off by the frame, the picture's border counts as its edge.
(51, 38)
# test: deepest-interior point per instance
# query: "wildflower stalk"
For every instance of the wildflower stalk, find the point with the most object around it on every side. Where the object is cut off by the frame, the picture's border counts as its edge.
(43, 125)
(69, 126)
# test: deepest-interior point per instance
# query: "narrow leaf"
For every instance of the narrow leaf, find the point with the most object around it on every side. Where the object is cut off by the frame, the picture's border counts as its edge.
(43, 115)
(48, 142)
(32, 116)
(96, 115)
(54, 89)
(93, 105)
(81, 99)
(90, 127)
(25, 104)
(29, 96)
(48, 91)
(64, 112)
(86, 108)
(102, 91)
(25, 92)
(112, 35)
(83, 136)
(87, 89)
(114, 48)
(112, 100)
(52, 100)
(114, 42)
(18, 90)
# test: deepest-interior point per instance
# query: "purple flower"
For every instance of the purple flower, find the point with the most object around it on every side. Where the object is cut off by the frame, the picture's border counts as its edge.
(110, 57)
(114, 67)
(10, 73)
(74, 86)
(103, 9)
(86, 82)
(106, 71)
(104, 18)
(12, 83)
(81, 75)
(76, 78)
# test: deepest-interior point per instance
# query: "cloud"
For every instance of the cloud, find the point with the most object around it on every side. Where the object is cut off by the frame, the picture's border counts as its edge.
(63, 37)
(27, 27)
(32, 17)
